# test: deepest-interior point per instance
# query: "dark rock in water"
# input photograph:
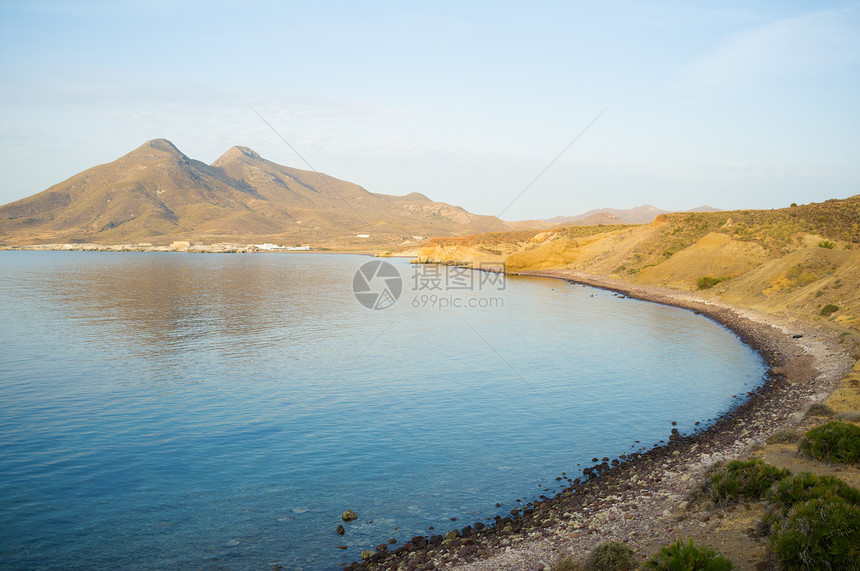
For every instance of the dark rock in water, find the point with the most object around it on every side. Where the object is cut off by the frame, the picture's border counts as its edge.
(367, 554)
(466, 531)
(349, 515)
(340, 530)
(382, 547)
(498, 505)
(419, 541)
(392, 541)
(479, 526)
(453, 519)
(674, 423)
(341, 547)
(594, 459)
(453, 534)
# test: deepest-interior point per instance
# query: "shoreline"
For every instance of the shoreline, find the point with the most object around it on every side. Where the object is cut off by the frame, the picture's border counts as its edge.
(639, 498)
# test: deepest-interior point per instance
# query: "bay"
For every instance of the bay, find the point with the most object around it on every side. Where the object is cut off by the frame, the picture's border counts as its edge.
(181, 410)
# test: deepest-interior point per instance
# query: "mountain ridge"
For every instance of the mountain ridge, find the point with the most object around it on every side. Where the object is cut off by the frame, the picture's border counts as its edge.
(156, 193)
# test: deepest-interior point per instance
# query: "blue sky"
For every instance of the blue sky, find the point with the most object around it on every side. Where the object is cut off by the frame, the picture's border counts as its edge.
(731, 104)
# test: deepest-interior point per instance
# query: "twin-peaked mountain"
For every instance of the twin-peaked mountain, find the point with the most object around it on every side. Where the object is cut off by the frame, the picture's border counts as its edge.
(158, 194)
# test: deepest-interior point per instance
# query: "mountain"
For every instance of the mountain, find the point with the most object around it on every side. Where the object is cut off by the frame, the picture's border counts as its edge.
(158, 194)
(638, 215)
(606, 216)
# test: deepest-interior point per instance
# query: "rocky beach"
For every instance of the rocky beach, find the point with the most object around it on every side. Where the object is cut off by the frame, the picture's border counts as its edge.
(646, 498)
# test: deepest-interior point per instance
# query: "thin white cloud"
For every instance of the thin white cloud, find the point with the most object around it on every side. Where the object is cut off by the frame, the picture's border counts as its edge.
(790, 47)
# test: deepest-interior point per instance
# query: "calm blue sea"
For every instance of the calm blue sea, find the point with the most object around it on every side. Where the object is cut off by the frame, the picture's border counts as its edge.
(168, 410)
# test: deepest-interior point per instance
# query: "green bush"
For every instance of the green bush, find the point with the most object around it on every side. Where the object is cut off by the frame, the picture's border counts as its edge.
(833, 442)
(707, 282)
(807, 486)
(744, 480)
(611, 556)
(829, 310)
(819, 534)
(826, 244)
(681, 556)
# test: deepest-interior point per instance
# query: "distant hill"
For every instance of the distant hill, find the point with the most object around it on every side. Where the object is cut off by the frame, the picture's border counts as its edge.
(606, 216)
(158, 194)
(637, 215)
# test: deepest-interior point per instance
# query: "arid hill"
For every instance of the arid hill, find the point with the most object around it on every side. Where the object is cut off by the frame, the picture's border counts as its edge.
(802, 261)
(157, 194)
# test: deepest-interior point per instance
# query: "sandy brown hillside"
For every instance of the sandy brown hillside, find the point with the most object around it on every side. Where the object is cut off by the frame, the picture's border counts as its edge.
(802, 261)
(157, 194)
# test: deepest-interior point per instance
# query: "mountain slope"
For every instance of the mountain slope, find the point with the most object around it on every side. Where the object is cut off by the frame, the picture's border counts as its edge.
(794, 261)
(158, 194)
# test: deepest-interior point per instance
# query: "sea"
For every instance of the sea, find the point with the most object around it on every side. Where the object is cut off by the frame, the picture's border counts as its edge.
(200, 411)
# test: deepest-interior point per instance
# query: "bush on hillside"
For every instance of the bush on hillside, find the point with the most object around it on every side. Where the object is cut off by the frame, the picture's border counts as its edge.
(687, 556)
(808, 486)
(818, 534)
(742, 480)
(707, 282)
(833, 442)
(829, 310)
(611, 556)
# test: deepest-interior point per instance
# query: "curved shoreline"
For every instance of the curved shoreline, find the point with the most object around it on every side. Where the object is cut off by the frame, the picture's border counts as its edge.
(637, 499)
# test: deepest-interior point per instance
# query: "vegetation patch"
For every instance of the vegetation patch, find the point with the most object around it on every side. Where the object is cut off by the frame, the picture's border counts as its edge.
(826, 244)
(819, 409)
(681, 555)
(819, 534)
(784, 437)
(799, 275)
(833, 442)
(743, 480)
(707, 282)
(808, 486)
(829, 310)
(611, 556)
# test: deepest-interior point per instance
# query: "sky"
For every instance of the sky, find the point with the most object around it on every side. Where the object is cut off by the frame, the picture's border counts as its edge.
(672, 103)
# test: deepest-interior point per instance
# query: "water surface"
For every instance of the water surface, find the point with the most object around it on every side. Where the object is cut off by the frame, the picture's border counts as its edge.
(179, 410)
